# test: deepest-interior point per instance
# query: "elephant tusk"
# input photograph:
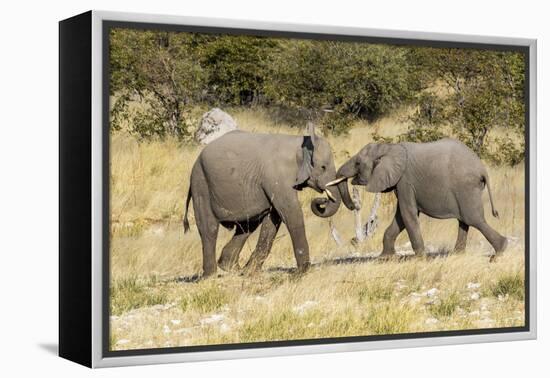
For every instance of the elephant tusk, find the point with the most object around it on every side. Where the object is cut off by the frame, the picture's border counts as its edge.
(334, 182)
(329, 195)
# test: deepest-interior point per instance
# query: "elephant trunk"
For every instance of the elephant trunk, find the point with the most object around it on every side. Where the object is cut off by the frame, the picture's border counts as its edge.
(324, 208)
(344, 194)
(345, 172)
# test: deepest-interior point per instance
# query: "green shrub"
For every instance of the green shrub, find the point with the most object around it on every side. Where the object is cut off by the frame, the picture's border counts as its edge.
(512, 285)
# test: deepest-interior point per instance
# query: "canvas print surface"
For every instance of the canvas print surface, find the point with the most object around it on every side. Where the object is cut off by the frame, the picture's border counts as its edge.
(267, 189)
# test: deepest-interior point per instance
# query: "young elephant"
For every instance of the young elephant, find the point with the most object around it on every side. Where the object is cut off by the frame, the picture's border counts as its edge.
(242, 180)
(442, 179)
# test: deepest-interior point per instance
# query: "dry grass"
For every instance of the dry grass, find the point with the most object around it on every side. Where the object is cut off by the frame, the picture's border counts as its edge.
(153, 305)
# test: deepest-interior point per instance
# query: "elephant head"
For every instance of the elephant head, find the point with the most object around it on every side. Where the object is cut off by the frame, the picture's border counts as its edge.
(316, 170)
(378, 167)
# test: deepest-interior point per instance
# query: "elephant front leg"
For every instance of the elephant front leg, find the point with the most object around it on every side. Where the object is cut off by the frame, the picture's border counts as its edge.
(391, 234)
(291, 214)
(409, 214)
(268, 231)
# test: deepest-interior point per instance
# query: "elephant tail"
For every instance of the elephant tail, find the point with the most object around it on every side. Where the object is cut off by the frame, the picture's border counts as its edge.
(185, 218)
(485, 179)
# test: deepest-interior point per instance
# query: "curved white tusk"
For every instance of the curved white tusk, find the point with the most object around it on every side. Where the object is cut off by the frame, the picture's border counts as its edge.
(329, 195)
(334, 182)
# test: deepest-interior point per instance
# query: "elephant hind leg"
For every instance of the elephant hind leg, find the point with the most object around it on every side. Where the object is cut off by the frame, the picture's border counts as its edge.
(229, 258)
(208, 230)
(268, 231)
(498, 241)
(462, 237)
(207, 223)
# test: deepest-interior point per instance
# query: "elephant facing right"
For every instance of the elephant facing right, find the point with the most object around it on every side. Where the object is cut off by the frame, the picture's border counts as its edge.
(442, 179)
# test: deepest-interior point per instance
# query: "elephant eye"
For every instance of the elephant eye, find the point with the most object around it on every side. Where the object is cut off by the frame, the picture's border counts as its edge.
(324, 168)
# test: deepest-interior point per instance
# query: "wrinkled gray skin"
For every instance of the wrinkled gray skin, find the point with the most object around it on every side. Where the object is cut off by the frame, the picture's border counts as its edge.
(243, 180)
(442, 179)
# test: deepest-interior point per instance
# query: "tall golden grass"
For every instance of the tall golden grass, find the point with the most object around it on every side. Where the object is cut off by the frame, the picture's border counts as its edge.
(156, 303)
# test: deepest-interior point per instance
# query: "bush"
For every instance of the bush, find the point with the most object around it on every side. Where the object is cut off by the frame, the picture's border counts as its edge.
(512, 285)
(477, 91)
(354, 80)
(468, 92)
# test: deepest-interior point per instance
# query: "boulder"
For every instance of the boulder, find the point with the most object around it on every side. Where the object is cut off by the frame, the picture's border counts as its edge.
(214, 123)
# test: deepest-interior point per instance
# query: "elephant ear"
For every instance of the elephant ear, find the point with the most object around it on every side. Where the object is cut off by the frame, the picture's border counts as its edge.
(390, 161)
(306, 165)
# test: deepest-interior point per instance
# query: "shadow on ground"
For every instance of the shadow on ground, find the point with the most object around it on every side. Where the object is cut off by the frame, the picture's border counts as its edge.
(51, 348)
(345, 260)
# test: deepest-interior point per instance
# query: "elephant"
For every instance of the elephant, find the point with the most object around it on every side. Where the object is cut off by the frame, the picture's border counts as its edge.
(442, 179)
(243, 180)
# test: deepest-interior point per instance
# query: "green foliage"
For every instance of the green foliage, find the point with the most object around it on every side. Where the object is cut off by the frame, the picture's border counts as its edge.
(236, 68)
(507, 152)
(477, 91)
(354, 80)
(160, 69)
(464, 93)
(509, 285)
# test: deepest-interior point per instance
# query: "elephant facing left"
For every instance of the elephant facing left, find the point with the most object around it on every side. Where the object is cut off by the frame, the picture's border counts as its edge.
(245, 180)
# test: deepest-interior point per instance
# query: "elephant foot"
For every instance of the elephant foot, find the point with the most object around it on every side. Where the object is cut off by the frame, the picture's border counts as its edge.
(458, 251)
(228, 267)
(207, 274)
(385, 256)
(421, 256)
(250, 269)
(503, 245)
(498, 251)
(303, 268)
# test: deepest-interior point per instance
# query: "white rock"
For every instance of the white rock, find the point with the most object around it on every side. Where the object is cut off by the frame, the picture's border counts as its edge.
(415, 298)
(432, 292)
(214, 124)
(122, 341)
(475, 296)
(225, 328)
(214, 318)
(399, 285)
(175, 321)
(300, 309)
(473, 285)
(166, 329)
(432, 321)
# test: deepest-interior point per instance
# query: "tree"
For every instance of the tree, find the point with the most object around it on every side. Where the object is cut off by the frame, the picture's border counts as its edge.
(163, 71)
(354, 80)
(477, 91)
(236, 67)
